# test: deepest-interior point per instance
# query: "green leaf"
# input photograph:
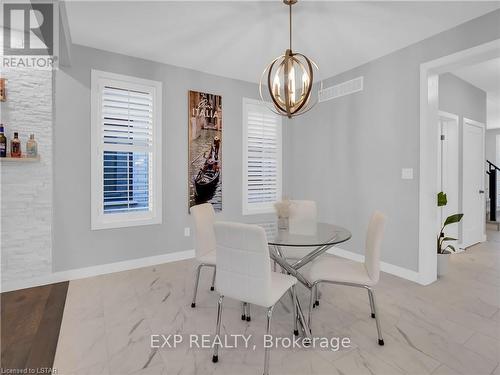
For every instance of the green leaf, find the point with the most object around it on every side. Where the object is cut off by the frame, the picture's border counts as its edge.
(453, 219)
(448, 239)
(442, 199)
(449, 247)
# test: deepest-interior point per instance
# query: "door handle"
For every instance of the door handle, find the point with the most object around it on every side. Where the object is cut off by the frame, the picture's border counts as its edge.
(481, 191)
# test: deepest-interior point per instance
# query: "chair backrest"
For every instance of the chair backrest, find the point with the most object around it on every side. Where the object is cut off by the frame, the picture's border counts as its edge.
(204, 220)
(374, 238)
(243, 262)
(303, 217)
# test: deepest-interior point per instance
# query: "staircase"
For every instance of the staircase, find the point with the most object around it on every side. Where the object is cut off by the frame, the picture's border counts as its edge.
(492, 208)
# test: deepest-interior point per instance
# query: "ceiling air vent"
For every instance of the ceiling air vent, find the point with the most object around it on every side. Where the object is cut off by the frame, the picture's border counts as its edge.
(342, 89)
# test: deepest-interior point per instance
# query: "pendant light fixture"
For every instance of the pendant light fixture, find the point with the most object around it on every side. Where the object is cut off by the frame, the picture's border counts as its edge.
(289, 79)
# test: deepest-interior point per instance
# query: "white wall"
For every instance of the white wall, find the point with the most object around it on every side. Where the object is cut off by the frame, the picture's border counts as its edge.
(26, 187)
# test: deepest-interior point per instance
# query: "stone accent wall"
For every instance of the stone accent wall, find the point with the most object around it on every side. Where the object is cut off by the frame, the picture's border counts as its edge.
(26, 187)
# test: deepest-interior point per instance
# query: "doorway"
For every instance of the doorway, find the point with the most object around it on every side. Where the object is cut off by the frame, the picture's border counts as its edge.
(429, 183)
(449, 170)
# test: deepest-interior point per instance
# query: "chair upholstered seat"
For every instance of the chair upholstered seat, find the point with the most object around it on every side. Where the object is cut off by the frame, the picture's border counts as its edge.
(207, 258)
(204, 219)
(302, 220)
(332, 268)
(243, 266)
(280, 283)
(244, 273)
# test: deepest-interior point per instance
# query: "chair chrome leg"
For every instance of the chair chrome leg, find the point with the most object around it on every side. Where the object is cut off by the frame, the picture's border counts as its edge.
(316, 295)
(215, 357)
(294, 310)
(198, 269)
(243, 311)
(377, 319)
(213, 279)
(370, 297)
(248, 313)
(311, 304)
(268, 332)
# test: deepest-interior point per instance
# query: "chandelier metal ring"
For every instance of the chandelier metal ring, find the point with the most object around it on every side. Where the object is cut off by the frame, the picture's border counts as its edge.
(290, 79)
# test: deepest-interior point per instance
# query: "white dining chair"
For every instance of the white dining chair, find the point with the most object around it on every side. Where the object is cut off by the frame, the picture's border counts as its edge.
(335, 270)
(302, 220)
(204, 220)
(244, 273)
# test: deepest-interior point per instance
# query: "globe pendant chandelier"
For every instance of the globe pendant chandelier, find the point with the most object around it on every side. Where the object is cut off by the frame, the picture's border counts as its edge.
(289, 79)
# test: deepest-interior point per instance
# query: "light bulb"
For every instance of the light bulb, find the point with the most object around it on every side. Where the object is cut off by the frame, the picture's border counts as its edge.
(276, 85)
(305, 83)
(291, 85)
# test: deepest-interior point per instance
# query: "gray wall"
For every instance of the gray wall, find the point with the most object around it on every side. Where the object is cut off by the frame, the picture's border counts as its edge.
(461, 98)
(347, 153)
(75, 245)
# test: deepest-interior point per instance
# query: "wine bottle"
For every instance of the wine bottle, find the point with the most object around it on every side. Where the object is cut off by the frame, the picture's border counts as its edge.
(3, 143)
(15, 146)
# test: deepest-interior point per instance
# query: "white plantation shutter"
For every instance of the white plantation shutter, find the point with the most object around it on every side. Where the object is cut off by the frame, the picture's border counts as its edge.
(262, 157)
(126, 114)
(127, 117)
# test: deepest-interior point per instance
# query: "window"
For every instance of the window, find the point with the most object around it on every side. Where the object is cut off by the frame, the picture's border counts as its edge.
(126, 151)
(261, 157)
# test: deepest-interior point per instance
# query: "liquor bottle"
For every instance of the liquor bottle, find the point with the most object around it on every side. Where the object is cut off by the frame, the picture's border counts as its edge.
(15, 146)
(31, 147)
(3, 143)
(3, 94)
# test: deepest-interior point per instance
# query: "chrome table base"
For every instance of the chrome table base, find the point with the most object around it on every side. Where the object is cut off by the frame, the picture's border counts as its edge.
(293, 269)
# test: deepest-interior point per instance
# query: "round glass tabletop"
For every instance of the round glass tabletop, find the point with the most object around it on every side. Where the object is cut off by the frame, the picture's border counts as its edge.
(326, 234)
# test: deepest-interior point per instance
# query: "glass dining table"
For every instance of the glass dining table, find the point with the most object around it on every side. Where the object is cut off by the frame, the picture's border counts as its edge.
(314, 244)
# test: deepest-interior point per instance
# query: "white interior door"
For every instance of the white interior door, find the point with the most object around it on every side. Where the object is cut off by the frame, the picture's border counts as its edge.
(473, 202)
(449, 169)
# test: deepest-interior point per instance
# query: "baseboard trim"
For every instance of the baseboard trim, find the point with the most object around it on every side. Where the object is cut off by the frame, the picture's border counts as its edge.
(81, 273)
(398, 271)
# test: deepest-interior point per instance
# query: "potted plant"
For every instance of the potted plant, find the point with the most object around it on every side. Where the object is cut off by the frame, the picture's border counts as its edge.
(283, 212)
(443, 249)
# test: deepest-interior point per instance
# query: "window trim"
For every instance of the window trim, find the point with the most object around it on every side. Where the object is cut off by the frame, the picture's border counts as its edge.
(249, 209)
(127, 219)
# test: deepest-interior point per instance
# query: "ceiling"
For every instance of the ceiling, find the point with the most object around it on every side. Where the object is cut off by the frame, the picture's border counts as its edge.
(237, 39)
(485, 75)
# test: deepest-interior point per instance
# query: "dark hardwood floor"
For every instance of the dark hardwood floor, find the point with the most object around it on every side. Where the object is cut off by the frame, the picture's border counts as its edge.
(30, 323)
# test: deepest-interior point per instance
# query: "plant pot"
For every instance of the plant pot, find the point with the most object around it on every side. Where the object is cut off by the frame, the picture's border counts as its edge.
(282, 223)
(442, 264)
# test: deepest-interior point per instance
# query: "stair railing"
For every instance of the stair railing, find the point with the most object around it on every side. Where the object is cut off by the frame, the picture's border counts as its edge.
(492, 173)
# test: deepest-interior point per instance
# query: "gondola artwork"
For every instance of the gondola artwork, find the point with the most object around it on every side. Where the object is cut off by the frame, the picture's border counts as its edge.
(205, 149)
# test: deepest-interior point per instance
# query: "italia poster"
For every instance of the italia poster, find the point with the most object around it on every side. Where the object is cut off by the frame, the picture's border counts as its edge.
(205, 149)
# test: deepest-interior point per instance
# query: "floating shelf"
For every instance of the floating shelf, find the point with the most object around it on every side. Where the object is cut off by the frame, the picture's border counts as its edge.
(22, 159)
